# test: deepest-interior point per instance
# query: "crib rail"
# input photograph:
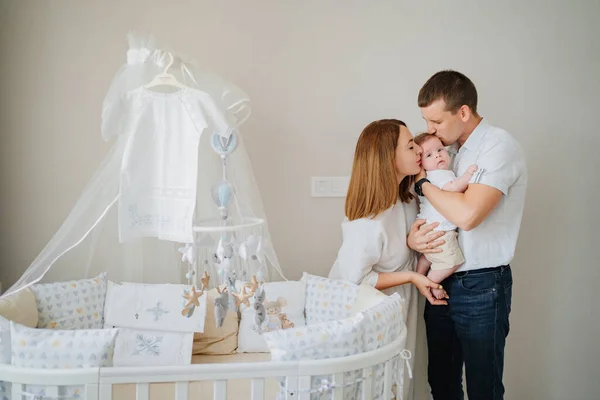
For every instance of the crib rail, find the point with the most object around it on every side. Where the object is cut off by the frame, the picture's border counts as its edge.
(99, 382)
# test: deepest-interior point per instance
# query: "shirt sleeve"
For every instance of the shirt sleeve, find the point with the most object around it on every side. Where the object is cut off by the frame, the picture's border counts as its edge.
(440, 177)
(361, 250)
(498, 167)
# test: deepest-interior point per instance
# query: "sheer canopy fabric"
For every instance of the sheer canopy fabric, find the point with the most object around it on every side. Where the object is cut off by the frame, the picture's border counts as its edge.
(88, 243)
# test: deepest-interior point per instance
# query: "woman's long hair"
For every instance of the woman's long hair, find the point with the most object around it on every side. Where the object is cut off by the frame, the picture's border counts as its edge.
(374, 184)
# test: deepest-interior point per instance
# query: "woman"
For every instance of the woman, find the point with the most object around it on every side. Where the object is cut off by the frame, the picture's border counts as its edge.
(380, 208)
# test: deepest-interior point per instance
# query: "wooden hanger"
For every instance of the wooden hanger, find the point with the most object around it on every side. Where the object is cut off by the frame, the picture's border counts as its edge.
(165, 79)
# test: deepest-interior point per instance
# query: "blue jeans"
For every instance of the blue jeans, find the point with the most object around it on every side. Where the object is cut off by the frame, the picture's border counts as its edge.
(471, 329)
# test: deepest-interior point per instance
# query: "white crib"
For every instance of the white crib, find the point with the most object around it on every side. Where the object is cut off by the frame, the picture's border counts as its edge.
(99, 382)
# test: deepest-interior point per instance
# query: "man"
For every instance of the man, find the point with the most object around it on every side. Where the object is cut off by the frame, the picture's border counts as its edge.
(473, 327)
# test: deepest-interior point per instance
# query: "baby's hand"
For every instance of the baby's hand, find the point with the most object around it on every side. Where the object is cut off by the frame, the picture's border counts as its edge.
(472, 169)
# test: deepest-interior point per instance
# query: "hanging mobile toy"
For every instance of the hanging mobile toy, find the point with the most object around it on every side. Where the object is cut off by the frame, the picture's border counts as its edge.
(221, 306)
(205, 280)
(222, 194)
(224, 145)
(188, 253)
(191, 296)
(231, 290)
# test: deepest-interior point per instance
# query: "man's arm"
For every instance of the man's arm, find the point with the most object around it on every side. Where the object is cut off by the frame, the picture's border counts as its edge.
(500, 166)
(466, 210)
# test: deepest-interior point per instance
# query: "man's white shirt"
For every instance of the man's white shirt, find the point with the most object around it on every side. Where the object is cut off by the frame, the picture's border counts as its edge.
(501, 164)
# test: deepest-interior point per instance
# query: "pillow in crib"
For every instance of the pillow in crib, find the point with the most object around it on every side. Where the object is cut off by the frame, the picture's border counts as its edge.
(217, 340)
(57, 348)
(77, 304)
(339, 338)
(153, 307)
(383, 323)
(140, 347)
(284, 309)
(366, 298)
(53, 348)
(328, 299)
(20, 307)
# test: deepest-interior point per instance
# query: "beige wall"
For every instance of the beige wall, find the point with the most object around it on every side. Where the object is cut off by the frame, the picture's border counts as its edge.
(318, 71)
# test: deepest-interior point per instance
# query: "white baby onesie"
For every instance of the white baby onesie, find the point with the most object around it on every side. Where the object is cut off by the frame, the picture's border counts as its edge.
(438, 178)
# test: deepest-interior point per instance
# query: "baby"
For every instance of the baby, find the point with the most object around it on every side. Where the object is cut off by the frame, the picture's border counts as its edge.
(435, 160)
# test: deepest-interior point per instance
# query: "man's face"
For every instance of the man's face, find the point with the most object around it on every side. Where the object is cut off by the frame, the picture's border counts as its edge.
(442, 123)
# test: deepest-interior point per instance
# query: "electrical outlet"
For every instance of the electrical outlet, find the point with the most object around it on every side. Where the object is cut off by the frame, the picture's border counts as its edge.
(329, 186)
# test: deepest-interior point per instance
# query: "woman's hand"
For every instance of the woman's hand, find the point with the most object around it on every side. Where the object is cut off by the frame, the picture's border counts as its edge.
(424, 284)
(423, 240)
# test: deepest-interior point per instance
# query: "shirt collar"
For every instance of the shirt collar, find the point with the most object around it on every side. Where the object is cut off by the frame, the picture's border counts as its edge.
(476, 136)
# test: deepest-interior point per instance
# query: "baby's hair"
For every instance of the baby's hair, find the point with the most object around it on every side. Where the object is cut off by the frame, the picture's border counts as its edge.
(423, 137)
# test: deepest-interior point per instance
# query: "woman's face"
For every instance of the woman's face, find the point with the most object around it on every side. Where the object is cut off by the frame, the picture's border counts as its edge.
(408, 155)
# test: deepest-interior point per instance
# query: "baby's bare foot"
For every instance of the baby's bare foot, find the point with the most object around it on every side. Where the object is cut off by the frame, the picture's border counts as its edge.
(439, 293)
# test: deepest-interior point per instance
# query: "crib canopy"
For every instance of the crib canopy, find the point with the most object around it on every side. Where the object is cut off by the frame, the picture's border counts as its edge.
(176, 192)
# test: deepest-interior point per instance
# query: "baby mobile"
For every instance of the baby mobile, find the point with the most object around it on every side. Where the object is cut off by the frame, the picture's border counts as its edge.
(223, 257)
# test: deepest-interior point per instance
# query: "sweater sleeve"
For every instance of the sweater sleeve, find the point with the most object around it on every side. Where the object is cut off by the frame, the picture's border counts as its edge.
(360, 251)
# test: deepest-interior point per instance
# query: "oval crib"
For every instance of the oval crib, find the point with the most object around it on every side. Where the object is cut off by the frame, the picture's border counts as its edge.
(99, 382)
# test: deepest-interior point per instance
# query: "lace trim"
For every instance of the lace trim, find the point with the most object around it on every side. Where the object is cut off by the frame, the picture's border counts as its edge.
(173, 193)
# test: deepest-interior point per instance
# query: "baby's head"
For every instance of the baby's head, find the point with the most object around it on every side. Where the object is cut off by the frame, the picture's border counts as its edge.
(434, 156)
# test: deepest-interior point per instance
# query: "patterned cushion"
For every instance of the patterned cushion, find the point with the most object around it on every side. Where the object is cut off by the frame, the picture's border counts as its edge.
(384, 323)
(328, 299)
(52, 348)
(71, 305)
(4, 341)
(5, 387)
(138, 347)
(331, 339)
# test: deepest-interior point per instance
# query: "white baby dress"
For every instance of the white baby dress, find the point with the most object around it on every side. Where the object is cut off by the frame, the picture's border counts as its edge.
(158, 178)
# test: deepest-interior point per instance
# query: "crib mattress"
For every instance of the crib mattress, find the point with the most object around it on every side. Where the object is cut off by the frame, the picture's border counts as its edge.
(237, 389)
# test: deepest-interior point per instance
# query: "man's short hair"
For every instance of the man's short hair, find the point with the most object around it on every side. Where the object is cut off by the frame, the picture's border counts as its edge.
(451, 86)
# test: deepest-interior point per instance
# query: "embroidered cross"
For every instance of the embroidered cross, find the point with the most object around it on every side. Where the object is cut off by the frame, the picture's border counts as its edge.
(157, 311)
(137, 315)
(146, 344)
